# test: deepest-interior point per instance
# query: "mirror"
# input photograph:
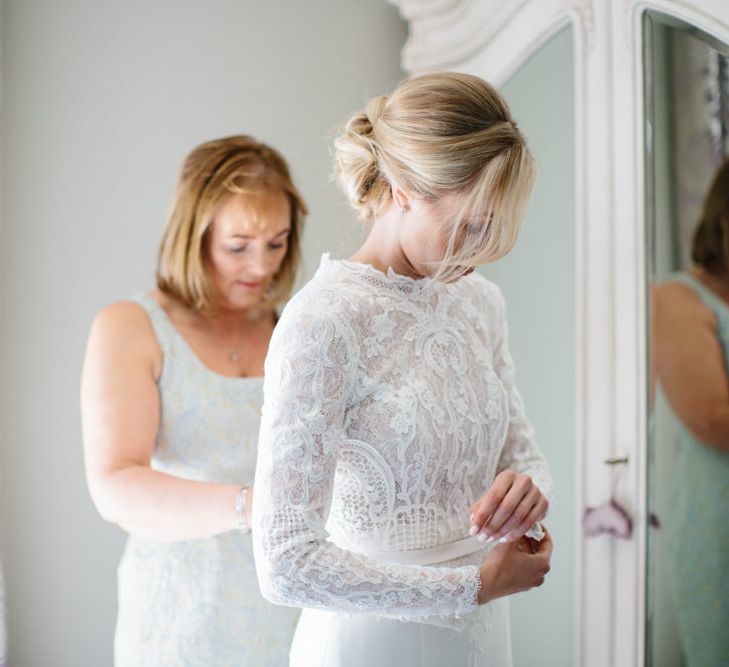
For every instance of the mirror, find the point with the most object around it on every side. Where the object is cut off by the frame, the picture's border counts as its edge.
(686, 143)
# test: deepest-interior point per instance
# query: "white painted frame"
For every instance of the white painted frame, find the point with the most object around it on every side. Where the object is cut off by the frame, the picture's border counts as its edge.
(492, 39)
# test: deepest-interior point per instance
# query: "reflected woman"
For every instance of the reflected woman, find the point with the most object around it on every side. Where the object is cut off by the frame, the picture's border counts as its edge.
(392, 427)
(171, 395)
(691, 354)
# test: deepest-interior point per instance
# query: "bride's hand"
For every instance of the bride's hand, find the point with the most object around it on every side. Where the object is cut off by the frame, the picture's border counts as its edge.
(509, 508)
(513, 567)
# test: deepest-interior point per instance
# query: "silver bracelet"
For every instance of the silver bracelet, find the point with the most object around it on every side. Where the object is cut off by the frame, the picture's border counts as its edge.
(241, 500)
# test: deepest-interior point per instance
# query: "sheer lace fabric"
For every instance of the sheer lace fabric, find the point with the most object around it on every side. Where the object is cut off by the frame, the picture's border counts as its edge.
(389, 408)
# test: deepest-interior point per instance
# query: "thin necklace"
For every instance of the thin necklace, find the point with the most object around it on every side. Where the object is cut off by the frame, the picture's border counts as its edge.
(233, 353)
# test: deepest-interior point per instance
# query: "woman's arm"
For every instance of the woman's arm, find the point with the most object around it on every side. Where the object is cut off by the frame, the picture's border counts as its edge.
(120, 416)
(690, 364)
(310, 378)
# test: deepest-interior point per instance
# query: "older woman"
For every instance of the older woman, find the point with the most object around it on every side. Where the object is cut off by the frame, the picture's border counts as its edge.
(691, 350)
(171, 396)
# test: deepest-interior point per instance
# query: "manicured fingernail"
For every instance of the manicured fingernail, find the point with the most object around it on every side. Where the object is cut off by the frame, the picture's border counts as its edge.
(473, 516)
(489, 539)
(483, 538)
(473, 530)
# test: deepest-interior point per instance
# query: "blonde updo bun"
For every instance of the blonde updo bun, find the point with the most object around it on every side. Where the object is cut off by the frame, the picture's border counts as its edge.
(434, 135)
(357, 163)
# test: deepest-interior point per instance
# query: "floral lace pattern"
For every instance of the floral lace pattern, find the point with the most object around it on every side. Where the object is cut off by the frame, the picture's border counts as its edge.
(389, 408)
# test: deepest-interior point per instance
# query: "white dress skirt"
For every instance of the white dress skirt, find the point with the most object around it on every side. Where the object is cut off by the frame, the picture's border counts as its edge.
(333, 639)
(480, 638)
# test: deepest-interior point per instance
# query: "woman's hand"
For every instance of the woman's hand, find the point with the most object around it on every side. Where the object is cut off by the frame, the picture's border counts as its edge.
(509, 508)
(514, 567)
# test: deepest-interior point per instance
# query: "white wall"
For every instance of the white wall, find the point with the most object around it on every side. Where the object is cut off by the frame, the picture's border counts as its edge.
(101, 102)
(538, 280)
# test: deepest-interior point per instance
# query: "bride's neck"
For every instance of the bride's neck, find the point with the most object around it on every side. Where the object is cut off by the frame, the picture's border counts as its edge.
(382, 247)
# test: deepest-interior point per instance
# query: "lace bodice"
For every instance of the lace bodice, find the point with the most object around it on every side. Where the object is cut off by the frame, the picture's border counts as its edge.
(389, 408)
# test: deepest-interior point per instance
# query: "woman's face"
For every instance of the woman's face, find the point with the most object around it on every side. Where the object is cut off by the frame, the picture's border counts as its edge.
(247, 242)
(423, 236)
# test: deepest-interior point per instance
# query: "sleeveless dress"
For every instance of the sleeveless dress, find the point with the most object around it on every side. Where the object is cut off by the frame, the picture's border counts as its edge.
(197, 602)
(390, 406)
(697, 527)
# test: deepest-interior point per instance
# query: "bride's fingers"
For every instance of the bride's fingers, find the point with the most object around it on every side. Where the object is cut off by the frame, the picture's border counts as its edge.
(537, 513)
(546, 546)
(484, 508)
(511, 503)
(513, 527)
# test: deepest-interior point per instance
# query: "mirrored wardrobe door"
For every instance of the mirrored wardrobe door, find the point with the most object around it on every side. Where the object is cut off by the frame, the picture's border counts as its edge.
(687, 222)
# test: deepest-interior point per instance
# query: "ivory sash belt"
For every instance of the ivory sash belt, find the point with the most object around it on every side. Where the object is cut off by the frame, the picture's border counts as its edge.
(443, 552)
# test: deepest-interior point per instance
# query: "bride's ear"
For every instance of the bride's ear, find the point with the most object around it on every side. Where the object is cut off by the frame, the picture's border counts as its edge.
(400, 198)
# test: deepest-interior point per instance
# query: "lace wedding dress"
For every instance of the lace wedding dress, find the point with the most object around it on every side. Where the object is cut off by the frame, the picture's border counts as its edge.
(389, 408)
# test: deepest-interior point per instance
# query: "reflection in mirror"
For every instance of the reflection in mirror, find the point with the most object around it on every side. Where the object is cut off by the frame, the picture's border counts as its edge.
(687, 199)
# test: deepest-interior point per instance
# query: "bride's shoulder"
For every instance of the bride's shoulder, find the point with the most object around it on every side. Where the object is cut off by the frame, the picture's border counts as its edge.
(325, 292)
(484, 288)
(325, 303)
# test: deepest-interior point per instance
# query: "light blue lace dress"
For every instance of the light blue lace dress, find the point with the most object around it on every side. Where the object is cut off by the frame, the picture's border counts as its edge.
(697, 528)
(197, 602)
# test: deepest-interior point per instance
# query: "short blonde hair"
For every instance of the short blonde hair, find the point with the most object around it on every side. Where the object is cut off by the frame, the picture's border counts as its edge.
(212, 172)
(439, 134)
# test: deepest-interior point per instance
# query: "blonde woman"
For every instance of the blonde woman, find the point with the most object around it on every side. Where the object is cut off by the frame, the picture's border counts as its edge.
(398, 479)
(170, 398)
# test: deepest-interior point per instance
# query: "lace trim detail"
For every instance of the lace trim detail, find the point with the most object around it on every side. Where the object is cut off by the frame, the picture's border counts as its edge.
(388, 279)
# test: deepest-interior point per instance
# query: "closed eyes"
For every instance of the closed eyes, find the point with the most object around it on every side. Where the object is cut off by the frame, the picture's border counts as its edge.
(239, 249)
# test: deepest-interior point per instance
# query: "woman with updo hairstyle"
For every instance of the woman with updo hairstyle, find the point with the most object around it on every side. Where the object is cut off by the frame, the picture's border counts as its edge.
(690, 349)
(399, 489)
(171, 394)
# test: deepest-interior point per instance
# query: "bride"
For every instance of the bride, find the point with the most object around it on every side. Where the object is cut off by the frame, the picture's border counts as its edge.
(398, 487)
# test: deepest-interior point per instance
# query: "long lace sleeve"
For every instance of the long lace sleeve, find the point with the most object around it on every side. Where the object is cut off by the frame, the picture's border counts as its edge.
(520, 452)
(311, 374)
